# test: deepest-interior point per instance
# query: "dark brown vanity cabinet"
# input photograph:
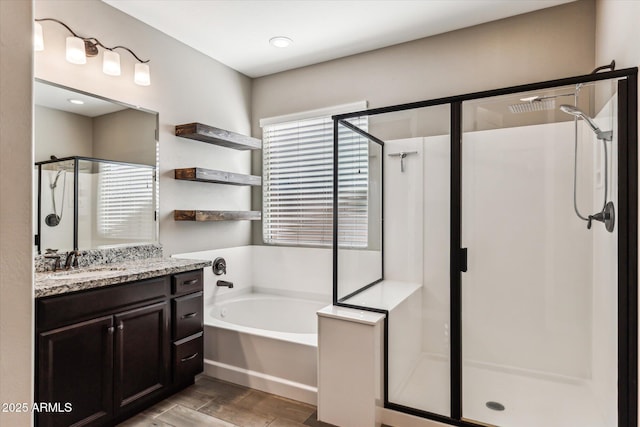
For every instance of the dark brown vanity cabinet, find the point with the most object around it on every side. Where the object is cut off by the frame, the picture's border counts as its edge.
(187, 322)
(141, 354)
(76, 367)
(105, 354)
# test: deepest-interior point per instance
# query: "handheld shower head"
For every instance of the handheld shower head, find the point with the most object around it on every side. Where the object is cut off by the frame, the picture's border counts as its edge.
(55, 181)
(576, 112)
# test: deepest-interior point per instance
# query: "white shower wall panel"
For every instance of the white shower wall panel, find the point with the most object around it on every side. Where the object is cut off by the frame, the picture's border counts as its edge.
(436, 226)
(605, 274)
(416, 230)
(527, 295)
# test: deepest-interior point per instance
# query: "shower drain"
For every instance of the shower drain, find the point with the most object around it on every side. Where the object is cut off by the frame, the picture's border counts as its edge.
(495, 406)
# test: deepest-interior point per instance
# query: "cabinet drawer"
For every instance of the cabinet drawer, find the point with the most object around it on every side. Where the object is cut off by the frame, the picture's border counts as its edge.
(187, 358)
(185, 283)
(56, 311)
(187, 315)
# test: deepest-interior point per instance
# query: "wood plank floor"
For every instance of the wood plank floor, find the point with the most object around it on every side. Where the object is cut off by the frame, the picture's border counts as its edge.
(214, 403)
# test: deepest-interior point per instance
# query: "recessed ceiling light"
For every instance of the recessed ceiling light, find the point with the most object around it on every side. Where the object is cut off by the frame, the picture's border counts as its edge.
(76, 101)
(280, 41)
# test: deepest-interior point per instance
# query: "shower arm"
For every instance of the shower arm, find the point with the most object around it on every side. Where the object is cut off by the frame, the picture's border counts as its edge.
(611, 66)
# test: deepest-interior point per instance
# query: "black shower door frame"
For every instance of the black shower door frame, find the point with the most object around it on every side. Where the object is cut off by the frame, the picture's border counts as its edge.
(627, 223)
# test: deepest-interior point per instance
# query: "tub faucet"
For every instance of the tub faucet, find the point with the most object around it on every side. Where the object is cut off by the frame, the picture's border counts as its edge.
(224, 283)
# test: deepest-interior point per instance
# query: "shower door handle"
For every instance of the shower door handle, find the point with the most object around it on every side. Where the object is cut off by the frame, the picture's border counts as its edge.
(463, 260)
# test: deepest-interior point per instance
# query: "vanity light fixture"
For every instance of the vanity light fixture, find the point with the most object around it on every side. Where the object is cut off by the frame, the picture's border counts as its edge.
(79, 48)
(38, 39)
(280, 41)
(111, 63)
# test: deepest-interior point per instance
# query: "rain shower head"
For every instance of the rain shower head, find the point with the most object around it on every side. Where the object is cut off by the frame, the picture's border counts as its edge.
(536, 103)
(533, 104)
(576, 112)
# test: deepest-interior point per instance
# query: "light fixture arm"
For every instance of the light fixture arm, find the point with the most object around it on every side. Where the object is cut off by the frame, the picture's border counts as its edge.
(92, 42)
(127, 49)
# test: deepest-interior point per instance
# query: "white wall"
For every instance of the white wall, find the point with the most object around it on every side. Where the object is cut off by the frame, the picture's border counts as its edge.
(16, 237)
(617, 33)
(186, 86)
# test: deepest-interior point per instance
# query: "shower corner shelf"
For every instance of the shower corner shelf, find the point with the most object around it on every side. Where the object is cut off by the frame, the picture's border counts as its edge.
(202, 216)
(216, 176)
(216, 136)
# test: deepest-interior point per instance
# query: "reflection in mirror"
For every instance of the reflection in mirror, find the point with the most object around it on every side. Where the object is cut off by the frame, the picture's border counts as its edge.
(98, 165)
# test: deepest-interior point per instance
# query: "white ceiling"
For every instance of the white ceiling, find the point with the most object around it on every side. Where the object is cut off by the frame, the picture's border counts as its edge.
(237, 32)
(56, 97)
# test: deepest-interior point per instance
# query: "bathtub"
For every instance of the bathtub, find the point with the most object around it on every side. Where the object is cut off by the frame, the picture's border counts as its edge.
(264, 341)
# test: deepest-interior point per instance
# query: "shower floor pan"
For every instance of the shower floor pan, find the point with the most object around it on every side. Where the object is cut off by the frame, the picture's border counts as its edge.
(529, 401)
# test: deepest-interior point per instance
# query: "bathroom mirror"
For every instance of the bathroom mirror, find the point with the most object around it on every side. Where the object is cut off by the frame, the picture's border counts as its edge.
(98, 184)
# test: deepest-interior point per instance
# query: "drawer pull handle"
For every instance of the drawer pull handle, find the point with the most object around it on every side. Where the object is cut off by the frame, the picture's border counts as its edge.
(120, 326)
(190, 282)
(185, 359)
(110, 329)
(190, 315)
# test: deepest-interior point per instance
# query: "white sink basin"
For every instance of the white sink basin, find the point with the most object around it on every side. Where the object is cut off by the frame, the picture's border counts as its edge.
(86, 273)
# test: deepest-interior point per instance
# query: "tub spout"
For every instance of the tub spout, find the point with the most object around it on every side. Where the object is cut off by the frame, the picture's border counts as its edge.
(224, 283)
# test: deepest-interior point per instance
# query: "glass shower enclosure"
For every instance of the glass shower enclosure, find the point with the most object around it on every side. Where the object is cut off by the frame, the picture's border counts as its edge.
(501, 243)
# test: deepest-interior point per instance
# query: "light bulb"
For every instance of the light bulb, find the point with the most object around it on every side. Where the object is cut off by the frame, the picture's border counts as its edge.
(75, 50)
(38, 38)
(111, 63)
(141, 76)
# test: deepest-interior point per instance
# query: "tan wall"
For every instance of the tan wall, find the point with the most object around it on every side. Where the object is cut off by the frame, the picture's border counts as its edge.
(61, 134)
(543, 45)
(16, 259)
(126, 136)
(186, 86)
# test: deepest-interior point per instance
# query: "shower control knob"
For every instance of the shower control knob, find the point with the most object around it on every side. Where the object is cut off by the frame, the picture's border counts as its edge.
(219, 266)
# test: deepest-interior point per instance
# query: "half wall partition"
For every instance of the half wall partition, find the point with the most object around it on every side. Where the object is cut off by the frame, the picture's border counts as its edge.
(501, 242)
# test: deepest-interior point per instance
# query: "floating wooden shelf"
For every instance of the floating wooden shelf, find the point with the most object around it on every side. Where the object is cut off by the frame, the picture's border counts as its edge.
(216, 136)
(216, 176)
(180, 215)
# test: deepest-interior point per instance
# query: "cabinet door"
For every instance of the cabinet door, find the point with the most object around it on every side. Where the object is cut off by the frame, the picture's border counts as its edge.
(75, 373)
(141, 354)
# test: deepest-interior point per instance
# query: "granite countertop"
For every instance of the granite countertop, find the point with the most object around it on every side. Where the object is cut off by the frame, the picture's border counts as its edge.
(96, 276)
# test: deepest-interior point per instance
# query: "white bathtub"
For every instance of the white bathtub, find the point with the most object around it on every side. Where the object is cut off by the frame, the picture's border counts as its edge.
(264, 341)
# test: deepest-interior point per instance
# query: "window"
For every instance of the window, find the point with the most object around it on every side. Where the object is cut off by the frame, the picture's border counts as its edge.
(126, 202)
(298, 181)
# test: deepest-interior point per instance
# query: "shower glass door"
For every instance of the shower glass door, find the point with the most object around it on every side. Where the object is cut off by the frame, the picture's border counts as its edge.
(539, 297)
(416, 161)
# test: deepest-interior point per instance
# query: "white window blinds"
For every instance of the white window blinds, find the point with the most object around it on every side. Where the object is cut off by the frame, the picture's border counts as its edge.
(126, 202)
(298, 183)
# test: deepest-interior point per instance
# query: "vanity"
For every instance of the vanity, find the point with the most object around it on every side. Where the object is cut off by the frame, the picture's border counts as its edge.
(118, 327)
(113, 339)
